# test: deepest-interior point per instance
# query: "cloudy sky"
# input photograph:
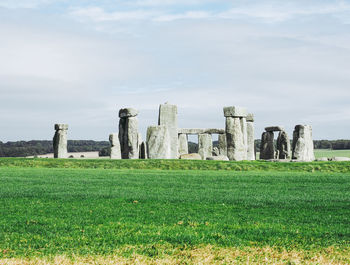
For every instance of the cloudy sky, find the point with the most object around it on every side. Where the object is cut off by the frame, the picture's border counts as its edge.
(79, 61)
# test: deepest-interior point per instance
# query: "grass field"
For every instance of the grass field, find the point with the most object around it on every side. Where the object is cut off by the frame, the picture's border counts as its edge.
(331, 153)
(126, 212)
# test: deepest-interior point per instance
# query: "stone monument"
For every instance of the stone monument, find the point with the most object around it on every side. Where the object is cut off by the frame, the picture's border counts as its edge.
(168, 118)
(303, 146)
(60, 141)
(115, 146)
(158, 142)
(128, 133)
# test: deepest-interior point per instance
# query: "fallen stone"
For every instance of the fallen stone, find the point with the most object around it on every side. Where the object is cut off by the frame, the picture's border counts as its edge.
(158, 142)
(218, 158)
(193, 156)
(340, 159)
(234, 111)
(274, 129)
(128, 112)
(322, 159)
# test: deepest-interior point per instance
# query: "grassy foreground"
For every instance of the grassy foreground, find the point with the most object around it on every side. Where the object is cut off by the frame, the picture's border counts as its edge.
(51, 214)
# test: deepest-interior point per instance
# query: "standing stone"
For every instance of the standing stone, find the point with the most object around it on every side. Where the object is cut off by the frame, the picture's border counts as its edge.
(205, 145)
(303, 146)
(168, 118)
(115, 146)
(128, 133)
(60, 141)
(250, 138)
(222, 144)
(267, 148)
(158, 142)
(183, 144)
(236, 132)
(143, 151)
(283, 145)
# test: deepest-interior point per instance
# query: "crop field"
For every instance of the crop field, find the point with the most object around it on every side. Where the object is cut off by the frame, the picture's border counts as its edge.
(173, 212)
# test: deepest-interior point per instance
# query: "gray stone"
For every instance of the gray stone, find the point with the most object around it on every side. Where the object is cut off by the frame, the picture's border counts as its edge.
(129, 138)
(250, 117)
(168, 117)
(236, 149)
(322, 159)
(303, 146)
(234, 111)
(245, 134)
(60, 141)
(143, 151)
(267, 149)
(158, 142)
(251, 141)
(218, 158)
(216, 151)
(183, 144)
(205, 145)
(128, 112)
(222, 144)
(199, 131)
(283, 145)
(339, 159)
(115, 146)
(274, 129)
(193, 156)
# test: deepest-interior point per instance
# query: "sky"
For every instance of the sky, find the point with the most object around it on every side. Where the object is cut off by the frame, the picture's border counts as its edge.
(80, 61)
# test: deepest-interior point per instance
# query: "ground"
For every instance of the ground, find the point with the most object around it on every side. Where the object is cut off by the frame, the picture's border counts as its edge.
(170, 212)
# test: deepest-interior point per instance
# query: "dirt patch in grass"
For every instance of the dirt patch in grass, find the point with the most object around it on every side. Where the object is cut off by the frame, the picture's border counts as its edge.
(201, 255)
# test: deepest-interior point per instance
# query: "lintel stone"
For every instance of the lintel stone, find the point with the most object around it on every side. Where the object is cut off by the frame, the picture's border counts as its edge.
(250, 117)
(61, 127)
(201, 131)
(274, 129)
(128, 112)
(235, 111)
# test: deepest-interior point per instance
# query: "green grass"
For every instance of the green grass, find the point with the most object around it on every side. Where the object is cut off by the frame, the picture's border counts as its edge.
(46, 211)
(331, 153)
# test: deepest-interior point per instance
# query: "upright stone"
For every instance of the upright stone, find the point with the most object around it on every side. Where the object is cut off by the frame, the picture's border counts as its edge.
(183, 144)
(168, 118)
(143, 151)
(283, 145)
(205, 145)
(128, 133)
(158, 142)
(236, 133)
(60, 141)
(267, 148)
(303, 146)
(222, 144)
(250, 138)
(115, 146)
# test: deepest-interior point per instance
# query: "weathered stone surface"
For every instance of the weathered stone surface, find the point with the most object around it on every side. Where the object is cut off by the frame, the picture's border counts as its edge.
(60, 141)
(234, 111)
(193, 156)
(128, 112)
(250, 117)
(183, 144)
(168, 117)
(201, 131)
(251, 141)
(143, 151)
(222, 144)
(129, 138)
(267, 149)
(236, 149)
(322, 159)
(283, 145)
(245, 134)
(218, 158)
(303, 146)
(158, 142)
(115, 146)
(340, 159)
(216, 151)
(61, 127)
(274, 129)
(205, 145)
